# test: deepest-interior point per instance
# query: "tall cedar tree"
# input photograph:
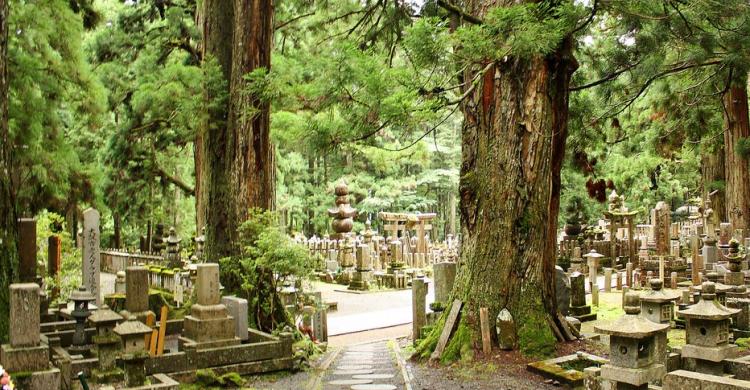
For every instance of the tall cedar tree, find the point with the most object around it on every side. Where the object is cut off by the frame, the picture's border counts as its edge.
(234, 161)
(736, 128)
(514, 132)
(8, 231)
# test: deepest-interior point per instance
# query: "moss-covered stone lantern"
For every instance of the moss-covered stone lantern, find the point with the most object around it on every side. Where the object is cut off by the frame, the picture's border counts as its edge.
(637, 347)
(657, 305)
(707, 332)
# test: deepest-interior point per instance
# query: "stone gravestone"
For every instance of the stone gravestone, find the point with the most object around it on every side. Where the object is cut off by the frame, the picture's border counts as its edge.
(91, 257)
(26, 353)
(562, 286)
(27, 249)
(445, 275)
(237, 307)
(136, 291)
(54, 245)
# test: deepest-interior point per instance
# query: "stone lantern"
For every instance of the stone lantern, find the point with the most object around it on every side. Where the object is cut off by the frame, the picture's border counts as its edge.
(657, 305)
(81, 299)
(107, 344)
(133, 332)
(707, 332)
(720, 291)
(637, 348)
(173, 249)
(200, 241)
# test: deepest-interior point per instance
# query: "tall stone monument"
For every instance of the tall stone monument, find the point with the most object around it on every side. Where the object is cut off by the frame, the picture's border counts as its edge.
(209, 324)
(27, 250)
(91, 256)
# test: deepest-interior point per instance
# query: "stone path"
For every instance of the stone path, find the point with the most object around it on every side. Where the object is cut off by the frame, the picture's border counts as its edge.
(370, 366)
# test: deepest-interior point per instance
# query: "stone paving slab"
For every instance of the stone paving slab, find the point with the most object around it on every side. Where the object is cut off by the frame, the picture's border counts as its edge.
(374, 362)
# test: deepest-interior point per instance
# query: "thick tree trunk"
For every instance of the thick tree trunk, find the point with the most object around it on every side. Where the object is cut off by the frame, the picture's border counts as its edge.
(514, 132)
(712, 175)
(237, 170)
(8, 226)
(736, 127)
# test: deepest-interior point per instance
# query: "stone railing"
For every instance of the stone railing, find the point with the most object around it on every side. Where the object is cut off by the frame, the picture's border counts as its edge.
(115, 260)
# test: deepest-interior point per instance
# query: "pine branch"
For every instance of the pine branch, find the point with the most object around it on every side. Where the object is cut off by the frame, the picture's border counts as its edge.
(459, 12)
(176, 181)
(292, 20)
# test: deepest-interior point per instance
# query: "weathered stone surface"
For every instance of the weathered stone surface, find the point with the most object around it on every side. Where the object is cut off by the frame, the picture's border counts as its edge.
(444, 275)
(681, 380)
(373, 376)
(24, 315)
(40, 380)
(418, 307)
(352, 372)
(91, 255)
(238, 309)
(374, 386)
(577, 289)
(562, 288)
(24, 359)
(208, 284)
(202, 330)
(136, 289)
(633, 376)
(506, 330)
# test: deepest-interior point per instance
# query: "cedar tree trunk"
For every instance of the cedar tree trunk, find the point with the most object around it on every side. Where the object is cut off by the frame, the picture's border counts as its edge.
(8, 227)
(513, 143)
(712, 175)
(736, 127)
(236, 157)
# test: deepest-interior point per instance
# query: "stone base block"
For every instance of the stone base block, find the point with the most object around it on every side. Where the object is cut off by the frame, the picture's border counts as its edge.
(633, 376)
(38, 380)
(201, 330)
(586, 317)
(25, 358)
(206, 312)
(359, 285)
(111, 376)
(712, 354)
(679, 380)
(580, 310)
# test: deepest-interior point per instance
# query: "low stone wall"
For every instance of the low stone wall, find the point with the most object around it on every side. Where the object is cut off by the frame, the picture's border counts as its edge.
(681, 380)
(113, 260)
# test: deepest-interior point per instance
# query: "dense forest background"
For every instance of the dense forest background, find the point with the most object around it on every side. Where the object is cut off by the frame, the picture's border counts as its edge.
(105, 108)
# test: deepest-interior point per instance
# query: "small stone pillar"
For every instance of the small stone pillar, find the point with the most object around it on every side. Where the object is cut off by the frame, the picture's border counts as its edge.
(707, 332)
(237, 308)
(132, 333)
(418, 307)
(637, 348)
(656, 305)
(673, 280)
(619, 281)
(629, 274)
(107, 343)
(607, 279)
(54, 257)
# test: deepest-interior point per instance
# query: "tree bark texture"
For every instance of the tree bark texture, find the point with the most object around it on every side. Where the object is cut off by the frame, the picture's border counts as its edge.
(514, 132)
(736, 127)
(712, 173)
(236, 156)
(8, 226)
